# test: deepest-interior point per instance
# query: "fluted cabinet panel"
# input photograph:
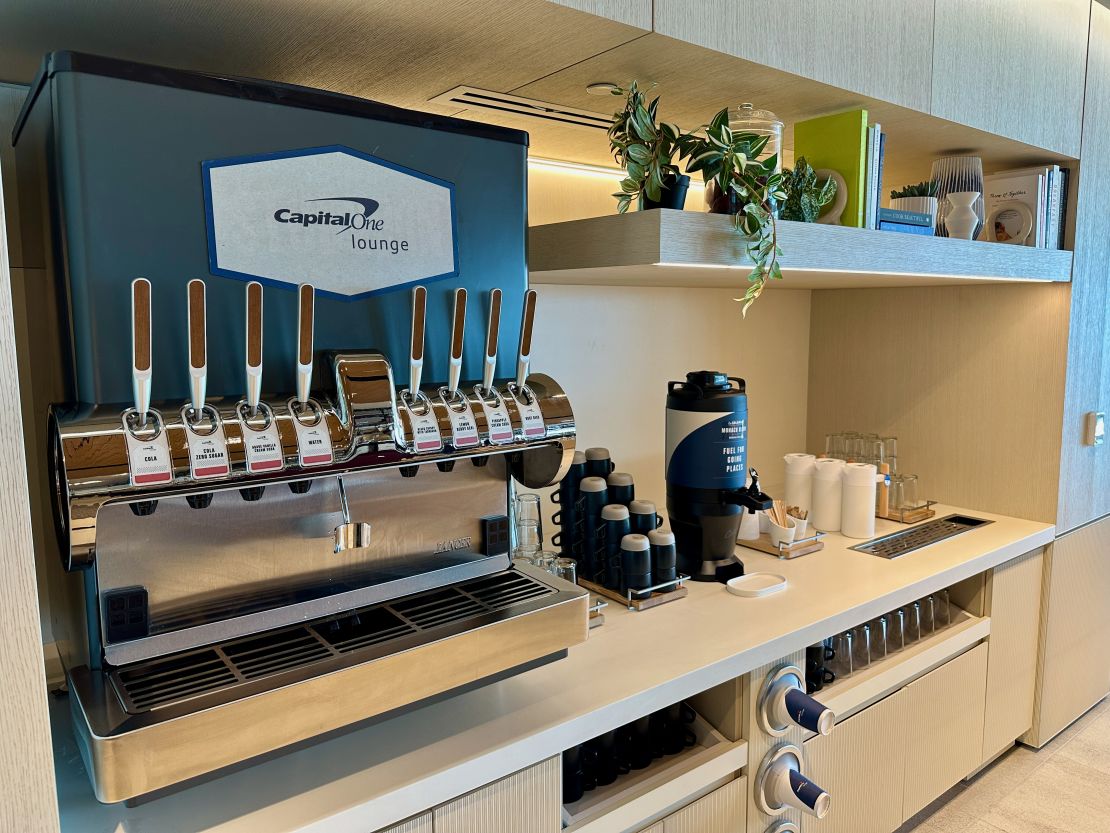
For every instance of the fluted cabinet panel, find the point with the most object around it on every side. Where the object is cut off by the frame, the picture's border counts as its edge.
(524, 802)
(943, 717)
(1074, 671)
(1015, 603)
(633, 12)
(417, 824)
(860, 766)
(722, 811)
(1012, 67)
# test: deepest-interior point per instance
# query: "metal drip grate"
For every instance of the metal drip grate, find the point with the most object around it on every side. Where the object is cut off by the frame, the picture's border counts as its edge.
(168, 680)
(916, 537)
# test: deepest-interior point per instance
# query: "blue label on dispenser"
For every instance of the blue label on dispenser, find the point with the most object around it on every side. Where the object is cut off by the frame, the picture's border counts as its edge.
(707, 450)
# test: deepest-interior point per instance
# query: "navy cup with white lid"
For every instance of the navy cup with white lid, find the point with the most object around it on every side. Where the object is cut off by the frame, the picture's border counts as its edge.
(644, 517)
(663, 558)
(569, 539)
(615, 518)
(636, 565)
(598, 462)
(622, 489)
(593, 495)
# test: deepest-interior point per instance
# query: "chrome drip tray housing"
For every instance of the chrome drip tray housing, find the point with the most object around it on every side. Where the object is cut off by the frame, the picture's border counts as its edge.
(920, 535)
(151, 724)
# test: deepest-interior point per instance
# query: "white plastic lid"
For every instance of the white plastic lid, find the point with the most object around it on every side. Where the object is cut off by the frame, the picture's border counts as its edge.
(661, 537)
(597, 453)
(614, 512)
(635, 542)
(620, 478)
(799, 462)
(592, 484)
(579, 457)
(828, 468)
(641, 507)
(754, 585)
(858, 473)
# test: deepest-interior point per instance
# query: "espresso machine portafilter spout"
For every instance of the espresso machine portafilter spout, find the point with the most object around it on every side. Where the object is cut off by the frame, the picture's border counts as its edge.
(349, 535)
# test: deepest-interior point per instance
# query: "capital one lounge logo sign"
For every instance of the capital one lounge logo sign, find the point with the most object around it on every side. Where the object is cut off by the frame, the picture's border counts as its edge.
(350, 223)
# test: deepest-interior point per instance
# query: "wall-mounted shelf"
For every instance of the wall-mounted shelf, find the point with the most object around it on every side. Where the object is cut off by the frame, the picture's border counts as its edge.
(693, 249)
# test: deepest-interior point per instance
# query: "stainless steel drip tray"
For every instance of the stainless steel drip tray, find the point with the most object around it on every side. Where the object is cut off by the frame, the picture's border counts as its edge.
(146, 726)
(921, 535)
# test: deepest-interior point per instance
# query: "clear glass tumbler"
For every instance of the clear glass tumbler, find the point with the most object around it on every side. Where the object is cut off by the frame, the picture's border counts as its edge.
(529, 510)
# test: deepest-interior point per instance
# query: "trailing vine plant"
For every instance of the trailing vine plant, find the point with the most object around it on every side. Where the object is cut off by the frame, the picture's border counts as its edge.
(643, 147)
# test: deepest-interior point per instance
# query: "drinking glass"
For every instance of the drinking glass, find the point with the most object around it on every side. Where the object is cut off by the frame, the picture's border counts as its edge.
(903, 491)
(896, 635)
(546, 559)
(528, 510)
(842, 662)
(862, 647)
(943, 610)
(913, 623)
(880, 631)
(928, 615)
(566, 569)
(529, 539)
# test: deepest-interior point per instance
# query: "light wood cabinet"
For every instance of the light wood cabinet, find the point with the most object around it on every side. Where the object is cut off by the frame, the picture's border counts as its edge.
(1014, 602)
(1084, 469)
(1074, 665)
(860, 766)
(417, 824)
(874, 47)
(722, 811)
(943, 717)
(524, 802)
(1012, 67)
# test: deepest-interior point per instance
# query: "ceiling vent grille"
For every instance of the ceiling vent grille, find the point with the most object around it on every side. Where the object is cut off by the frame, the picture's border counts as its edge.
(473, 98)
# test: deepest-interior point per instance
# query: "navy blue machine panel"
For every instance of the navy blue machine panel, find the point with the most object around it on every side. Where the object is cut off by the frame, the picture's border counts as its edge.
(120, 148)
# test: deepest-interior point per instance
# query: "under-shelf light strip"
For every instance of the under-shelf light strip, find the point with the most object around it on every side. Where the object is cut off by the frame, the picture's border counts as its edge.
(843, 271)
(559, 166)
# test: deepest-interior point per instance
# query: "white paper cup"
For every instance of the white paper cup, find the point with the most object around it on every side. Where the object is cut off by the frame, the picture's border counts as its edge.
(782, 535)
(801, 526)
(749, 526)
(764, 521)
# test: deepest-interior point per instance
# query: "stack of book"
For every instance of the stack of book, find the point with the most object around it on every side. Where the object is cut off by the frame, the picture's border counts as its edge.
(844, 142)
(1043, 191)
(909, 222)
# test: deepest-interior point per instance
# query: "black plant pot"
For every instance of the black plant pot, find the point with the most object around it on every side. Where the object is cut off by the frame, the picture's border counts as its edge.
(671, 195)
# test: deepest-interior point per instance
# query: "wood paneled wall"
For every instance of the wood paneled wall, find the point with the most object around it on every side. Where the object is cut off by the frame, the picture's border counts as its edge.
(970, 380)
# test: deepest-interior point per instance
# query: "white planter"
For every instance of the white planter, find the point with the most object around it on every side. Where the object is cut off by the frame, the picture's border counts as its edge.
(920, 205)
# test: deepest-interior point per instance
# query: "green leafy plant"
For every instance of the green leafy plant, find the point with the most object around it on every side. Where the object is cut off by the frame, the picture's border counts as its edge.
(729, 162)
(929, 188)
(643, 147)
(805, 197)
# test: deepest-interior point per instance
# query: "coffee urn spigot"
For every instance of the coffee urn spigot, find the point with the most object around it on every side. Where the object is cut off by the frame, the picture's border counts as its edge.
(751, 498)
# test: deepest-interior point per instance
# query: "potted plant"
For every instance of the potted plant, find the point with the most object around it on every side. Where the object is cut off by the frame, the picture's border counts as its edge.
(921, 198)
(805, 196)
(646, 150)
(738, 183)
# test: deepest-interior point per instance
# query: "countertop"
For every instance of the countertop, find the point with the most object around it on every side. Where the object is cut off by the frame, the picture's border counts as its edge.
(634, 664)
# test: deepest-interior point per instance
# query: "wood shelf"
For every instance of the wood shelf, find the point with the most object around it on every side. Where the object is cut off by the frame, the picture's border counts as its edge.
(693, 249)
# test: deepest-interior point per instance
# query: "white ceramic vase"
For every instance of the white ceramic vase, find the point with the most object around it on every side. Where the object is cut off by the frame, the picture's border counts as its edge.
(953, 174)
(919, 205)
(961, 219)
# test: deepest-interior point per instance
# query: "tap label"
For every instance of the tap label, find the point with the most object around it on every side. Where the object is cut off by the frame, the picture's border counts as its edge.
(207, 453)
(425, 428)
(497, 420)
(464, 430)
(531, 417)
(313, 443)
(148, 461)
(262, 448)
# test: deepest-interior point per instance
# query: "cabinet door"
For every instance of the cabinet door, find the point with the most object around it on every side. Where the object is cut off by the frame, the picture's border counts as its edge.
(943, 717)
(722, 811)
(1012, 67)
(1074, 669)
(861, 766)
(1084, 469)
(874, 47)
(417, 824)
(524, 802)
(1015, 604)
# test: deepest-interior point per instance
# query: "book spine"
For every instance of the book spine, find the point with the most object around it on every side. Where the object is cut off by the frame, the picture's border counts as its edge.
(1065, 176)
(1040, 236)
(897, 215)
(869, 179)
(906, 228)
(1052, 239)
(879, 174)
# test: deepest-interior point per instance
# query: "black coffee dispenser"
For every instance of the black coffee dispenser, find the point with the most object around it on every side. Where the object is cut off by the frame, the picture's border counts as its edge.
(707, 472)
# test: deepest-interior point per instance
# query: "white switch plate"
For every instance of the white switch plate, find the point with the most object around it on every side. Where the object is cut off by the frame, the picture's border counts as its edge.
(1094, 431)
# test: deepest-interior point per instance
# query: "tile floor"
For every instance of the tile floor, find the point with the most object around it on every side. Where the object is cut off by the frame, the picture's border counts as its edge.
(1062, 788)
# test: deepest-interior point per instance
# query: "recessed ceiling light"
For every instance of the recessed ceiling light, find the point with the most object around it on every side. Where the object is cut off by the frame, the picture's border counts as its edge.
(603, 88)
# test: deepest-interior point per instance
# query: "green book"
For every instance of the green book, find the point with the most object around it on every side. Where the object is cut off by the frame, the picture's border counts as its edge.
(838, 142)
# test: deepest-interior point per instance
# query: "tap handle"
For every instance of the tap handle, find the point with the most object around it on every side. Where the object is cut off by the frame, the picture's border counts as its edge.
(490, 361)
(254, 345)
(140, 346)
(458, 327)
(416, 352)
(524, 354)
(198, 345)
(306, 317)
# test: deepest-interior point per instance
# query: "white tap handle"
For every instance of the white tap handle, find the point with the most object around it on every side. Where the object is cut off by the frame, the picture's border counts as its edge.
(306, 312)
(524, 353)
(254, 345)
(140, 346)
(198, 345)
(458, 329)
(489, 366)
(416, 353)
